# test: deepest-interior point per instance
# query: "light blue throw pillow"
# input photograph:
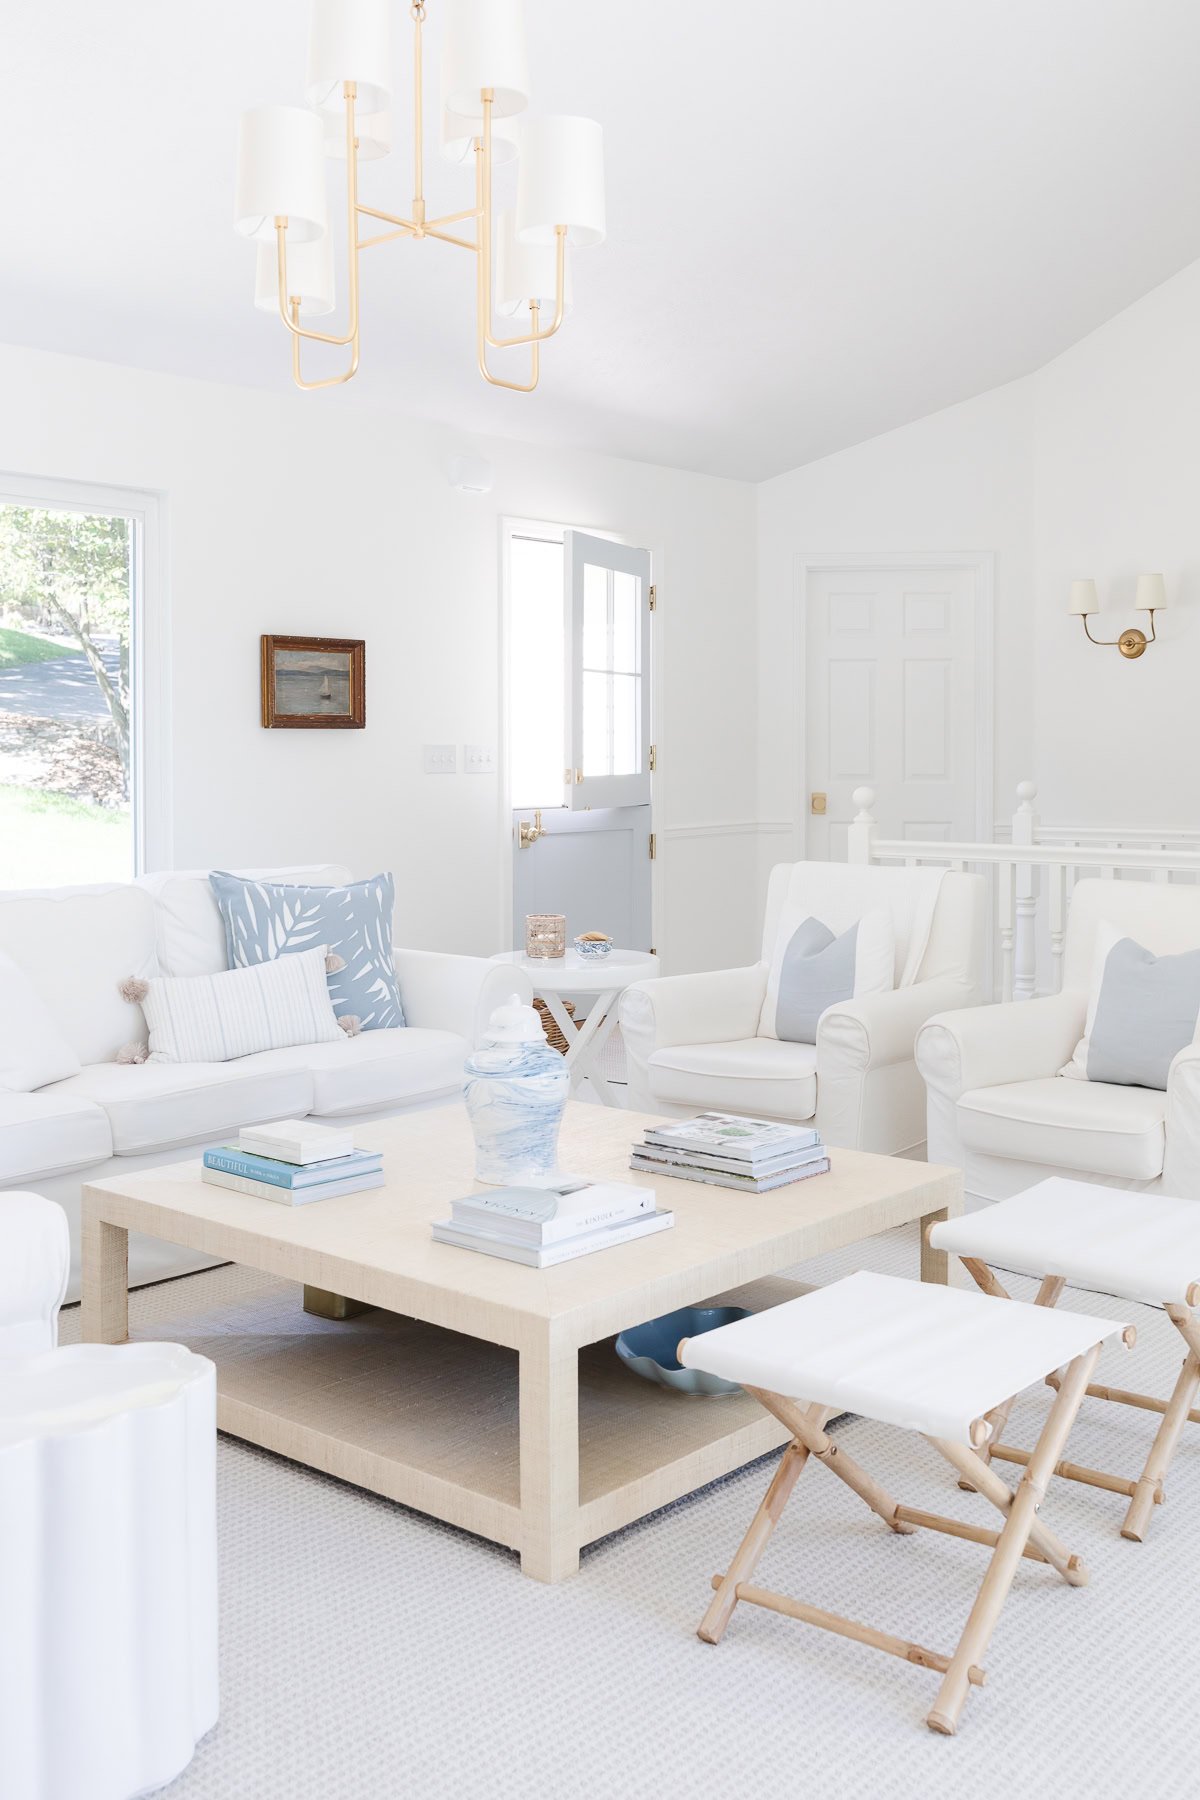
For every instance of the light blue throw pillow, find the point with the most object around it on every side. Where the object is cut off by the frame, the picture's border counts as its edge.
(266, 919)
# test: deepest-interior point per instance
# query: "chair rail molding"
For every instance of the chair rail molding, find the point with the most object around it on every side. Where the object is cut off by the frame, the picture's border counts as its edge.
(982, 566)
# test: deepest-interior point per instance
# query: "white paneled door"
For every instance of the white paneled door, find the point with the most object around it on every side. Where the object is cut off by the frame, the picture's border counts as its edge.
(897, 674)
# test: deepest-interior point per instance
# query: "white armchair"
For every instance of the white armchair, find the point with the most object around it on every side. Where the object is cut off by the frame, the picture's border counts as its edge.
(35, 1257)
(692, 1041)
(1000, 1110)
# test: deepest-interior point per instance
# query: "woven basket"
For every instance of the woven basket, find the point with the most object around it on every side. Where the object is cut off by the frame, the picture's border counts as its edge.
(550, 1026)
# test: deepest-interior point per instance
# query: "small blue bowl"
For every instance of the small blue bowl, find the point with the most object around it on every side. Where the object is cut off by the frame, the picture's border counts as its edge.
(649, 1350)
(594, 949)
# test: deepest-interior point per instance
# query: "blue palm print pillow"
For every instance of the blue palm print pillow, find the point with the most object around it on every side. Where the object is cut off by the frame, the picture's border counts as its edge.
(266, 919)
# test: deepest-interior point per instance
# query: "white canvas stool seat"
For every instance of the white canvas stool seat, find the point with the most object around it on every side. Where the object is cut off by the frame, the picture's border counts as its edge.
(1143, 1247)
(108, 1631)
(929, 1359)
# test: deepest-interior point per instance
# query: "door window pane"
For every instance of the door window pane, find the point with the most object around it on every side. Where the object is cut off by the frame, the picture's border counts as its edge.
(611, 677)
(597, 752)
(626, 750)
(535, 673)
(627, 638)
(67, 713)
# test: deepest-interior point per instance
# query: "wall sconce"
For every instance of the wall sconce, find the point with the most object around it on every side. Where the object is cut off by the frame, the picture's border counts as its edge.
(1151, 598)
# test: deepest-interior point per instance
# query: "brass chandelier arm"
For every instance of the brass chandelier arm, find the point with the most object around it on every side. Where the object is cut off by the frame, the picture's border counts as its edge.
(288, 307)
(483, 197)
(328, 380)
(483, 262)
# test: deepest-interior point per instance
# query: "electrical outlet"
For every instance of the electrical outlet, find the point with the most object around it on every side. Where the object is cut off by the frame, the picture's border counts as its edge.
(478, 759)
(439, 759)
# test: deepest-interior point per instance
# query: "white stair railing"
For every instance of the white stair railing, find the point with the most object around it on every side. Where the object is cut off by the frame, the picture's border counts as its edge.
(1031, 877)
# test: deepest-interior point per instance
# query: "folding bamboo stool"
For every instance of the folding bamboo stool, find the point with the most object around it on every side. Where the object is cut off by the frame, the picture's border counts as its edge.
(1137, 1246)
(925, 1358)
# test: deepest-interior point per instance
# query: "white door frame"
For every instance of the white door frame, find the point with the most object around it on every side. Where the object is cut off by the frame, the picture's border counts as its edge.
(982, 565)
(511, 524)
(151, 811)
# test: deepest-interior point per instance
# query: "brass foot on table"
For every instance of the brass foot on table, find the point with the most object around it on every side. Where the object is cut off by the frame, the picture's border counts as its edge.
(324, 1305)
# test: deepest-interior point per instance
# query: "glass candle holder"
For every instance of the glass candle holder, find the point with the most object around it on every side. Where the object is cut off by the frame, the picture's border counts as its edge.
(545, 935)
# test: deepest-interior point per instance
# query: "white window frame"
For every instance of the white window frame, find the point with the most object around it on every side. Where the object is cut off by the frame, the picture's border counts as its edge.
(149, 646)
(584, 791)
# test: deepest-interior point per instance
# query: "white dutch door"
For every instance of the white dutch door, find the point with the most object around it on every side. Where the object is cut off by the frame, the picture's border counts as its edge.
(893, 702)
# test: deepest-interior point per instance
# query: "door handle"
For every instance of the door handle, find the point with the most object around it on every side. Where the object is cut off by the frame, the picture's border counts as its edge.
(527, 834)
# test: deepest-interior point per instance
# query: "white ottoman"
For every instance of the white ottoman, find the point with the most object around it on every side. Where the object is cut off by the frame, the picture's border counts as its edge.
(108, 1630)
(35, 1259)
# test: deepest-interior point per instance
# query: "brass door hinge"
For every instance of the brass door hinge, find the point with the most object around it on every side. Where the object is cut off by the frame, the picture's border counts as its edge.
(653, 596)
(653, 758)
(578, 776)
(653, 847)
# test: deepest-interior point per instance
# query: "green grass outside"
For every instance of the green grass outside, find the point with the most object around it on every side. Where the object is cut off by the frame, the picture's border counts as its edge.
(49, 839)
(23, 647)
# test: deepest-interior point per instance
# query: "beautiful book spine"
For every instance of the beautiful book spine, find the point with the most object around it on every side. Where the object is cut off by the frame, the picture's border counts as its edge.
(263, 1168)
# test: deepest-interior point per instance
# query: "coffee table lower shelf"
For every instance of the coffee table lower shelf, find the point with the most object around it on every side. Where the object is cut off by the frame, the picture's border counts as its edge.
(430, 1418)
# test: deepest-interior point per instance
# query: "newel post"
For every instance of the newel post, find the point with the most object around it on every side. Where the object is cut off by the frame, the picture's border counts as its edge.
(1024, 831)
(860, 836)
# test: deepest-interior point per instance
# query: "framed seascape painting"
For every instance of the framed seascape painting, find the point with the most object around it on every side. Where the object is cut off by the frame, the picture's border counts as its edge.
(314, 682)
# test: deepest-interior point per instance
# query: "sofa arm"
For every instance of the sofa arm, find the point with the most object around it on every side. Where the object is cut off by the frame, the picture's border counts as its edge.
(987, 1046)
(1181, 1164)
(456, 993)
(35, 1257)
(878, 1029)
(711, 1008)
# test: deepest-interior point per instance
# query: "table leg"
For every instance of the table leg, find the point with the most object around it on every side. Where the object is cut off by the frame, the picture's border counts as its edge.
(935, 1264)
(587, 1040)
(549, 1379)
(105, 1310)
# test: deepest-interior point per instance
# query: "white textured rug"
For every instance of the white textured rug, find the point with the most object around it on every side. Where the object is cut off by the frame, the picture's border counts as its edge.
(370, 1653)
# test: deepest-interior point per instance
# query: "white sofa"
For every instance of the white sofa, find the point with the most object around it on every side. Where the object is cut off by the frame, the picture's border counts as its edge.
(997, 1105)
(76, 945)
(692, 1041)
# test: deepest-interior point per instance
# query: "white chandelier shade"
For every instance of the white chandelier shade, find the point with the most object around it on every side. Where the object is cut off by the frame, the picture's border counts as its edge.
(373, 131)
(560, 180)
(525, 272)
(281, 173)
(484, 47)
(350, 40)
(459, 136)
(309, 277)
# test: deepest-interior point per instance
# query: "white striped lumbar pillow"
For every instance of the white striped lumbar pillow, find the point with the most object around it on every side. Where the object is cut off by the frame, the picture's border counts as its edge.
(213, 1018)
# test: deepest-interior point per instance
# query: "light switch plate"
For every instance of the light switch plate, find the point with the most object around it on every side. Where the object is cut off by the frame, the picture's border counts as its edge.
(439, 759)
(478, 759)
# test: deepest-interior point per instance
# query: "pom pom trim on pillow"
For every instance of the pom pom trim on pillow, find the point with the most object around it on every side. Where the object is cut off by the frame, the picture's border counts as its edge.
(133, 990)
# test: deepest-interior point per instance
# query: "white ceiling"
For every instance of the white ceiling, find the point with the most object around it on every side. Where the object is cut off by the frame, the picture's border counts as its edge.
(826, 217)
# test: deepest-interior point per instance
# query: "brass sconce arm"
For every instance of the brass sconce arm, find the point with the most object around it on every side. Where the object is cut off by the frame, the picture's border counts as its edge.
(1131, 643)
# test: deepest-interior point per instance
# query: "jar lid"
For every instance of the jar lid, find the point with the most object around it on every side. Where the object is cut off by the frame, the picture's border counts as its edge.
(514, 1023)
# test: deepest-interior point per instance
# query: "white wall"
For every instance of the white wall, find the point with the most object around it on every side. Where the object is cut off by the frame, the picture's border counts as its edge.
(294, 513)
(1090, 466)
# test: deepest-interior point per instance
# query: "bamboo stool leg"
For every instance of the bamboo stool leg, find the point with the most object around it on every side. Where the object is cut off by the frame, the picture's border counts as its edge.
(1007, 1555)
(720, 1609)
(1150, 1483)
(1047, 1295)
(809, 1432)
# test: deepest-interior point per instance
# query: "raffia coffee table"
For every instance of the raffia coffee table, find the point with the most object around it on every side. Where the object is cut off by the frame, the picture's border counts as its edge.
(479, 1391)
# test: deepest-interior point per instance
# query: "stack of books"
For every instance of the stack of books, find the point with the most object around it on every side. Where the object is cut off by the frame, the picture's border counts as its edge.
(752, 1154)
(293, 1162)
(552, 1221)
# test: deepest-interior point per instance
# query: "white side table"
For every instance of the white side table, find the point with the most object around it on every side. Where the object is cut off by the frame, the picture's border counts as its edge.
(603, 980)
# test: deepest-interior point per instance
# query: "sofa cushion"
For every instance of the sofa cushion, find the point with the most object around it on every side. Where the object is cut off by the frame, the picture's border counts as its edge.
(77, 945)
(189, 933)
(47, 1133)
(380, 1068)
(749, 1075)
(33, 1050)
(156, 1106)
(1091, 1126)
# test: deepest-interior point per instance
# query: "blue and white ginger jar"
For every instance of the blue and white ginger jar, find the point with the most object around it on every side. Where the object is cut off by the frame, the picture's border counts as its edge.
(515, 1089)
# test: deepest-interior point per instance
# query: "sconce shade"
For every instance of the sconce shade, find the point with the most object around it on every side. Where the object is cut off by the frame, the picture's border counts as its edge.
(526, 272)
(1151, 593)
(484, 47)
(1083, 598)
(350, 40)
(373, 131)
(280, 172)
(459, 134)
(560, 180)
(310, 277)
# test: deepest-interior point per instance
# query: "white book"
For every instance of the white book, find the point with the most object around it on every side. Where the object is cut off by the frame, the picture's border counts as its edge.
(549, 1213)
(288, 1196)
(544, 1256)
(746, 1184)
(729, 1134)
(297, 1140)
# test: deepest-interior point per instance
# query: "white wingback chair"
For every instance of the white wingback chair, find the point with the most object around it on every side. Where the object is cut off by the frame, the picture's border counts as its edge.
(692, 1041)
(997, 1105)
(35, 1257)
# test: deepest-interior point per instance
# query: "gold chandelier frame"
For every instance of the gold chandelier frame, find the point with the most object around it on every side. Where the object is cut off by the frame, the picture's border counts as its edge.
(419, 228)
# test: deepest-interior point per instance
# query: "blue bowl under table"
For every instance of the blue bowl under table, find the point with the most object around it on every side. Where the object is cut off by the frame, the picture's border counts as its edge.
(649, 1350)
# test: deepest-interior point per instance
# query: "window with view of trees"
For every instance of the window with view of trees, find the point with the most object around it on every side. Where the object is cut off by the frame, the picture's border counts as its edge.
(68, 579)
